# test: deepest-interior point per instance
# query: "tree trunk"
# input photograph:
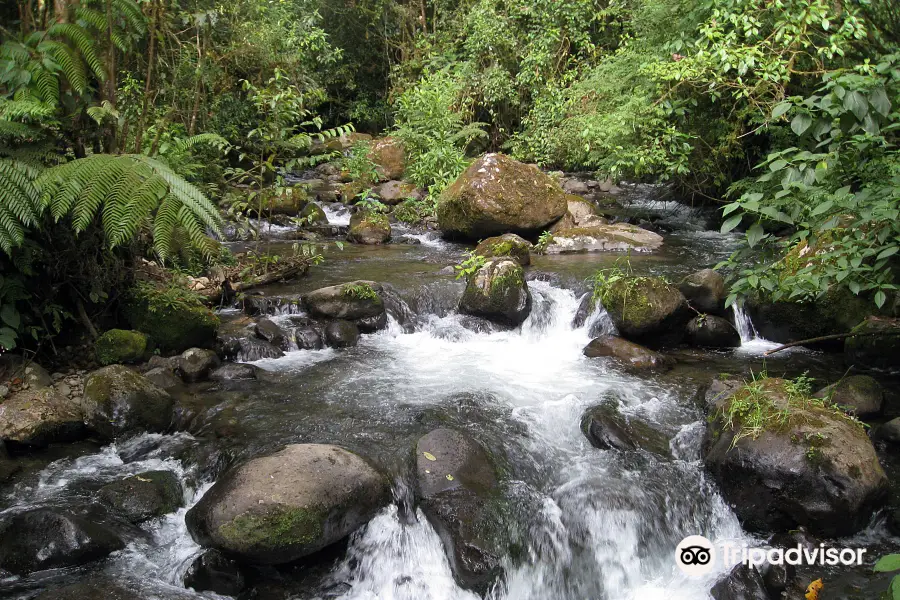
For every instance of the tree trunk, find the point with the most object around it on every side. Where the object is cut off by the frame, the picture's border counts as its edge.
(111, 87)
(148, 79)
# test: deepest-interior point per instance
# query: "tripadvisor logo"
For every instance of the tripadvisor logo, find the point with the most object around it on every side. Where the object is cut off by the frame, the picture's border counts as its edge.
(695, 555)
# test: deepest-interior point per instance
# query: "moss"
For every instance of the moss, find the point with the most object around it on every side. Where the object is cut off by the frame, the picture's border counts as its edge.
(121, 346)
(277, 527)
(176, 320)
(633, 296)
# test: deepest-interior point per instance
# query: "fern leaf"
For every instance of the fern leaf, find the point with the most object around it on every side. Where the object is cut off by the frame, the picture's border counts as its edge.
(19, 203)
(70, 64)
(81, 39)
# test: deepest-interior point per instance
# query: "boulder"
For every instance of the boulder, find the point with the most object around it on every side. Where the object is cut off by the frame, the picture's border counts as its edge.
(105, 588)
(42, 539)
(389, 156)
(351, 301)
(837, 311)
(214, 572)
(706, 291)
(368, 227)
(460, 496)
(710, 331)
(858, 395)
(144, 496)
(163, 378)
(498, 195)
(880, 349)
(40, 416)
(631, 355)
(312, 214)
(121, 346)
(247, 349)
(606, 428)
(508, 244)
(799, 463)
(613, 237)
(268, 330)
(341, 334)
(279, 508)
(195, 364)
(117, 401)
(498, 292)
(307, 337)
(579, 213)
(174, 327)
(742, 583)
(233, 372)
(888, 432)
(647, 309)
(395, 192)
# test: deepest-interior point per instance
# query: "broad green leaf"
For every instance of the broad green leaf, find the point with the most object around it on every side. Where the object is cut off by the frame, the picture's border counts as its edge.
(880, 101)
(888, 252)
(10, 316)
(895, 588)
(754, 234)
(778, 164)
(880, 298)
(731, 223)
(822, 208)
(781, 109)
(801, 123)
(856, 103)
(730, 209)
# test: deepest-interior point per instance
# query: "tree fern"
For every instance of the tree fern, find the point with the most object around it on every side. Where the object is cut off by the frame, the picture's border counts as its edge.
(19, 202)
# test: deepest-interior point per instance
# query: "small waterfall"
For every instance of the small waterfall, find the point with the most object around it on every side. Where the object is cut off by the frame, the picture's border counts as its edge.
(743, 324)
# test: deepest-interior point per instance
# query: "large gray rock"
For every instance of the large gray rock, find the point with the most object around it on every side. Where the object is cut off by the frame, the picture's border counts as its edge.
(459, 494)
(42, 539)
(351, 301)
(705, 290)
(710, 331)
(279, 508)
(859, 395)
(508, 244)
(816, 468)
(117, 401)
(144, 496)
(195, 364)
(498, 292)
(647, 310)
(40, 416)
(498, 195)
(614, 237)
(629, 354)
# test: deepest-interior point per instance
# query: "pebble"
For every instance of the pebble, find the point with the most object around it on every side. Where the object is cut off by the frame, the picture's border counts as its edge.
(4, 391)
(63, 389)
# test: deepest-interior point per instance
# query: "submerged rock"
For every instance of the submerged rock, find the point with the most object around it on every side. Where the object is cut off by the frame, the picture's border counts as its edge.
(40, 416)
(144, 496)
(459, 494)
(233, 372)
(809, 466)
(880, 349)
(615, 237)
(341, 334)
(606, 428)
(121, 346)
(268, 330)
(279, 508)
(103, 588)
(498, 195)
(706, 291)
(117, 400)
(42, 539)
(498, 292)
(710, 331)
(628, 353)
(508, 244)
(248, 349)
(858, 395)
(367, 227)
(647, 310)
(742, 583)
(214, 572)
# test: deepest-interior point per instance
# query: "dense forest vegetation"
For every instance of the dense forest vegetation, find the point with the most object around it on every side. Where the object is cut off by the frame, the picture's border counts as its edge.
(124, 123)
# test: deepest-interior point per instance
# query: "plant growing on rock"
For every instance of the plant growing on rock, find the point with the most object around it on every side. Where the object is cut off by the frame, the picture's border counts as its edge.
(544, 241)
(359, 291)
(469, 265)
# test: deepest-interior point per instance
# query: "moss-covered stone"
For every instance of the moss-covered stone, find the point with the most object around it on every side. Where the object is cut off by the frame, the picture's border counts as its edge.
(122, 346)
(497, 291)
(498, 195)
(646, 308)
(368, 227)
(117, 400)
(283, 525)
(271, 202)
(144, 496)
(508, 244)
(313, 214)
(389, 156)
(174, 325)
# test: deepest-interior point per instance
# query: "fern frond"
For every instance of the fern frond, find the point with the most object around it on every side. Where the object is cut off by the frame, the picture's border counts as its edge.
(212, 139)
(132, 13)
(25, 108)
(19, 131)
(45, 82)
(70, 64)
(80, 38)
(19, 202)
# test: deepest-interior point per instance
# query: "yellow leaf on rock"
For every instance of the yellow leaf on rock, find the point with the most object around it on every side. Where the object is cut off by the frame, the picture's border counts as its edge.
(429, 455)
(449, 477)
(812, 591)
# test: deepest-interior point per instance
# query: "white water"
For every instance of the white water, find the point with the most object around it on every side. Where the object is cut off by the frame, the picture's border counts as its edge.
(338, 214)
(751, 342)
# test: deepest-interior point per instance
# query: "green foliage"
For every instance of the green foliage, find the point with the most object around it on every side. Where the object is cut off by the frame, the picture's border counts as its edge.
(368, 203)
(358, 164)
(544, 240)
(603, 281)
(890, 563)
(469, 265)
(359, 291)
(414, 210)
(175, 317)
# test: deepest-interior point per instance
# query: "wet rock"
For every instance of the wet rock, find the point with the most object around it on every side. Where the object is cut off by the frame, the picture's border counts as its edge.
(196, 364)
(351, 301)
(341, 334)
(307, 337)
(743, 583)
(368, 227)
(40, 416)
(247, 349)
(42, 539)
(817, 468)
(103, 588)
(117, 401)
(458, 492)
(614, 237)
(389, 156)
(647, 310)
(777, 578)
(266, 329)
(498, 292)
(710, 331)
(35, 376)
(606, 428)
(509, 245)
(858, 395)
(579, 213)
(888, 432)
(875, 350)
(163, 378)
(233, 372)
(372, 324)
(213, 572)
(120, 346)
(498, 195)
(163, 362)
(395, 192)
(631, 355)
(279, 508)
(144, 496)
(173, 327)
(706, 291)
(312, 214)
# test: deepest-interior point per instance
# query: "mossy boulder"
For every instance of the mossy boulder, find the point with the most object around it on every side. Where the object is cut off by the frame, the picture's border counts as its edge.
(710, 331)
(40, 416)
(628, 354)
(498, 195)
(174, 326)
(801, 464)
(278, 508)
(352, 300)
(121, 346)
(607, 428)
(858, 395)
(705, 290)
(879, 348)
(647, 310)
(395, 192)
(460, 495)
(118, 401)
(313, 214)
(271, 202)
(613, 237)
(144, 496)
(341, 334)
(508, 244)
(389, 156)
(498, 292)
(368, 227)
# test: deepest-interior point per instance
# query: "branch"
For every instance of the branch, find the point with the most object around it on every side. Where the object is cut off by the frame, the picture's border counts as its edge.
(827, 338)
